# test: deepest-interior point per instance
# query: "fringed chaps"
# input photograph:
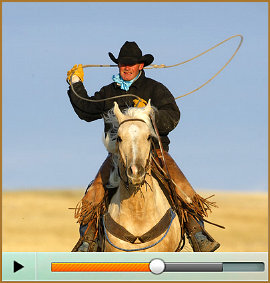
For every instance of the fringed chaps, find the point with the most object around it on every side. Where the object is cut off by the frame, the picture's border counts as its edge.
(95, 202)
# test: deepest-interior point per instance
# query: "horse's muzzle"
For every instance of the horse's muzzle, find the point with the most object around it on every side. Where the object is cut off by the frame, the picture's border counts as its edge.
(136, 174)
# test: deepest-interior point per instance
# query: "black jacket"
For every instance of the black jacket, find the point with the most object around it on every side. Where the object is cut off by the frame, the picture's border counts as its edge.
(167, 117)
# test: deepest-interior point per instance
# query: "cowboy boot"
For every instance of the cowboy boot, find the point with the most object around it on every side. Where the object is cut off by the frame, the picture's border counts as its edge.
(90, 210)
(86, 242)
(199, 239)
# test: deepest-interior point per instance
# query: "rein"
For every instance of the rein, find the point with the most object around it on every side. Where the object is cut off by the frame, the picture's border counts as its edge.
(169, 179)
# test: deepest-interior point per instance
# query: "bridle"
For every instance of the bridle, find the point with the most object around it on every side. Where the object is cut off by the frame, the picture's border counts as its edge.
(131, 120)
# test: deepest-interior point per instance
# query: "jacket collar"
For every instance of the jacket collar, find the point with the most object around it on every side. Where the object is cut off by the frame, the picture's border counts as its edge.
(140, 80)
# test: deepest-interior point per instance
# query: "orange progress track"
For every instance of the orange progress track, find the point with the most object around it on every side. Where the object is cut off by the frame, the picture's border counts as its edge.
(99, 267)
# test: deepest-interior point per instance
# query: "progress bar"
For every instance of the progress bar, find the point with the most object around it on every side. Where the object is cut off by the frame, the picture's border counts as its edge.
(99, 267)
(157, 266)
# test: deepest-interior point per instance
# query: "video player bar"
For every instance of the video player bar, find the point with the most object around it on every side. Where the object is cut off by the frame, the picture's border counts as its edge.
(157, 266)
(67, 267)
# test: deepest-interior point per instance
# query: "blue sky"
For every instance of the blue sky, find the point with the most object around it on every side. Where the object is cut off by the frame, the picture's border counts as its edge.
(221, 142)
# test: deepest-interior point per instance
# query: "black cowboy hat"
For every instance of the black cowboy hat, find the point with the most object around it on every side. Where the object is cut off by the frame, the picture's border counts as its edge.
(131, 54)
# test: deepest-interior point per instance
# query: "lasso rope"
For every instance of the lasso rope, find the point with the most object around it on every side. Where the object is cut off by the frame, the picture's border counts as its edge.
(170, 66)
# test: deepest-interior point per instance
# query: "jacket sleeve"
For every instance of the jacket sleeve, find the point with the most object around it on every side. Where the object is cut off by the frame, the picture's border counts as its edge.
(167, 115)
(86, 110)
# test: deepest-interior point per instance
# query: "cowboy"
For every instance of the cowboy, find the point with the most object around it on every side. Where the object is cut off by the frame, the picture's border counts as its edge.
(132, 80)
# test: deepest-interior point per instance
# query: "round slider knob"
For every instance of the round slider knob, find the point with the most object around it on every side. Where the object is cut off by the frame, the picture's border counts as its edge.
(157, 266)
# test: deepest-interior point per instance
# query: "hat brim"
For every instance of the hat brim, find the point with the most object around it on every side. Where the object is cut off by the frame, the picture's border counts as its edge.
(146, 59)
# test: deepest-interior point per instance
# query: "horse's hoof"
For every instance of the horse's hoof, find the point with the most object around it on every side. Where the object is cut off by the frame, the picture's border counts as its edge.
(84, 247)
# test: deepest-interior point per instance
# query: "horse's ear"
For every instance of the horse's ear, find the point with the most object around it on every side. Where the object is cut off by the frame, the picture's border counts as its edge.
(148, 109)
(119, 115)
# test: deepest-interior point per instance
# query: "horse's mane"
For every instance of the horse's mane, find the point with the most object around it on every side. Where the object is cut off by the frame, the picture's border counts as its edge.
(110, 139)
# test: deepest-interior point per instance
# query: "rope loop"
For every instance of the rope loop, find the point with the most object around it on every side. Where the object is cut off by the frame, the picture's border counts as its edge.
(155, 66)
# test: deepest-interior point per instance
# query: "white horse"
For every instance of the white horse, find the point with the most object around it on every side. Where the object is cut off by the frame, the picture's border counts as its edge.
(139, 216)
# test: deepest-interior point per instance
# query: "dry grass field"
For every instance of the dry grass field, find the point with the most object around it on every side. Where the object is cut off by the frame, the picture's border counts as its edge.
(41, 221)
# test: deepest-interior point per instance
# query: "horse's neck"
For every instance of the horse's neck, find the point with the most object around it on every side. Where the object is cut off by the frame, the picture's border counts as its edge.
(149, 201)
(137, 201)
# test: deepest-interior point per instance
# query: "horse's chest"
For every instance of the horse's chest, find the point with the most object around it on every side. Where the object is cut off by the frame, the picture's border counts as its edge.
(136, 223)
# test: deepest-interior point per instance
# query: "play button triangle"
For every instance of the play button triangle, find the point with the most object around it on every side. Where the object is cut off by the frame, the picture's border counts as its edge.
(17, 266)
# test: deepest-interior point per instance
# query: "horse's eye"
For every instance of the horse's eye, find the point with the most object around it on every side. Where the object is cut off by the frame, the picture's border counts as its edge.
(119, 139)
(149, 137)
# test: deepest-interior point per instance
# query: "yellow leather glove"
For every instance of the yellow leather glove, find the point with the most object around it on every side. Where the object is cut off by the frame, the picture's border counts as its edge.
(139, 103)
(76, 70)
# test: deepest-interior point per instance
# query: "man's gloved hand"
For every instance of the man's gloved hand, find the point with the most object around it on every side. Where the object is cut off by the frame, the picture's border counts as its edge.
(139, 103)
(76, 71)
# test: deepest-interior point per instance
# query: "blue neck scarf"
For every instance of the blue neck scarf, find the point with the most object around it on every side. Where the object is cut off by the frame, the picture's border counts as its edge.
(125, 85)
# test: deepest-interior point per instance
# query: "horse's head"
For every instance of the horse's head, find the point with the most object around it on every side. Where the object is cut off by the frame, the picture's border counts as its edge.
(134, 141)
